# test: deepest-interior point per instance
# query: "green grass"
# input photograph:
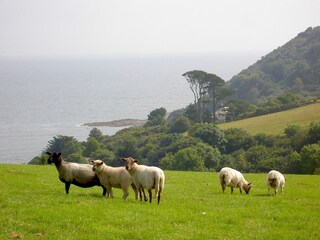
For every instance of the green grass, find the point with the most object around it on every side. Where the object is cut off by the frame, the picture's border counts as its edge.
(275, 123)
(33, 205)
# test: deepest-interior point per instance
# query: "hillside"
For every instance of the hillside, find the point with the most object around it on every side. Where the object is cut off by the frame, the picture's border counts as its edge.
(275, 123)
(294, 67)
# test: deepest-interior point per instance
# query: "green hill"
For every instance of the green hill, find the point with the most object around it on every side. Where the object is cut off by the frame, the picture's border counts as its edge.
(294, 67)
(276, 123)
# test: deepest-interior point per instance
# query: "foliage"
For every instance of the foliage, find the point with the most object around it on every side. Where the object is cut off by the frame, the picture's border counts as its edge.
(156, 117)
(183, 145)
(208, 133)
(39, 160)
(292, 68)
(180, 125)
(92, 145)
(67, 145)
(96, 133)
(206, 88)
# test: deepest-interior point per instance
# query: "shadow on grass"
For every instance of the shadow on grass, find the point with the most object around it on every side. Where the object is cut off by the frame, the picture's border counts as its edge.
(261, 195)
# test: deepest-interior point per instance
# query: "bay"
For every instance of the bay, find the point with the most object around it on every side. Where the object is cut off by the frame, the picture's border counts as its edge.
(44, 97)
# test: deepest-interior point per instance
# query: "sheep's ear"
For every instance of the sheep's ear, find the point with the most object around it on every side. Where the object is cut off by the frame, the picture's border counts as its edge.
(249, 184)
(48, 153)
(135, 160)
(100, 163)
(59, 154)
(123, 159)
(91, 162)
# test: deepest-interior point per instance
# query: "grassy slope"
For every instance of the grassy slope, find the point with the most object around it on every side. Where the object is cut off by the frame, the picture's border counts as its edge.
(33, 205)
(275, 123)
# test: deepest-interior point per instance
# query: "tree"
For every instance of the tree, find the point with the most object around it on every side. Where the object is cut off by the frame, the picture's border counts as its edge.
(208, 133)
(310, 158)
(106, 156)
(96, 133)
(156, 117)
(236, 139)
(197, 83)
(188, 159)
(214, 85)
(92, 145)
(236, 108)
(180, 125)
(67, 145)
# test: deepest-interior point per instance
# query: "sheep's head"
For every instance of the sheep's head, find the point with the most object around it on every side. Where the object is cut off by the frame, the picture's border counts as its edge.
(54, 157)
(247, 187)
(129, 162)
(96, 165)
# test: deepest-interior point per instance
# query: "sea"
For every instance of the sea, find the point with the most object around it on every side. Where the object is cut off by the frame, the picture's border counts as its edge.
(41, 98)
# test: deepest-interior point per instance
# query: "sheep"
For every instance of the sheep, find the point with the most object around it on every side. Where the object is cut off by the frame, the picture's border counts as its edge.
(275, 180)
(117, 177)
(232, 178)
(145, 177)
(80, 175)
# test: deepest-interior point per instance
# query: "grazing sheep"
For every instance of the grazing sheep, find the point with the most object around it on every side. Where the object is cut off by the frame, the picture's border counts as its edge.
(80, 175)
(275, 180)
(117, 177)
(145, 177)
(232, 178)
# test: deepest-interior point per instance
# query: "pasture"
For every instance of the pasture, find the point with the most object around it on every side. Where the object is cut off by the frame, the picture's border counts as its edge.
(275, 123)
(33, 205)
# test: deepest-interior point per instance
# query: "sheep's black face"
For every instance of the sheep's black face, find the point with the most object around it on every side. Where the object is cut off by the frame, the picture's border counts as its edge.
(54, 157)
(247, 188)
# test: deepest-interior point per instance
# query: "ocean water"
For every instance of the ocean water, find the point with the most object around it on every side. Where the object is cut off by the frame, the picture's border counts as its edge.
(42, 98)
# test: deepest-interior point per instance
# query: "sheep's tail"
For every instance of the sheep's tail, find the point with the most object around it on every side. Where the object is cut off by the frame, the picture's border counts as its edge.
(159, 185)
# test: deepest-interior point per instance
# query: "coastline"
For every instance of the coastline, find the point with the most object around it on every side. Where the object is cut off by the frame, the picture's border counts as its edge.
(118, 123)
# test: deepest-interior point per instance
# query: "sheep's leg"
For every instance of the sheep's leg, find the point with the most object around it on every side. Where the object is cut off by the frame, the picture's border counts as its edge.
(144, 195)
(232, 190)
(67, 186)
(223, 187)
(269, 191)
(240, 188)
(125, 193)
(135, 190)
(275, 191)
(104, 191)
(140, 190)
(150, 195)
(159, 197)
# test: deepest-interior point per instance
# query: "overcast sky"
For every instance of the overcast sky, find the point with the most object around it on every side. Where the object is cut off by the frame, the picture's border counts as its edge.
(143, 27)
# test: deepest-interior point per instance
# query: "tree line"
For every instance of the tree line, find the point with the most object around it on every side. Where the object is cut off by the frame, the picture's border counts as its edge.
(187, 146)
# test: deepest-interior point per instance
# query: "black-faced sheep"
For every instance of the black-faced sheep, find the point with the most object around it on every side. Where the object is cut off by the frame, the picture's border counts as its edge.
(117, 177)
(145, 177)
(275, 180)
(232, 178)
(80, 175)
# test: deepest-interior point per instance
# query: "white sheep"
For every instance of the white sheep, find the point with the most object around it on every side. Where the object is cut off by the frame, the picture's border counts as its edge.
(275, 180)
(117, 177)
(80, 175)
(232, 178)
(145, 177)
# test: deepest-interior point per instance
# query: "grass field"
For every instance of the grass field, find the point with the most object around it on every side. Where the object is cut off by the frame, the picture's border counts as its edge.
(275, 123)
(33, 205)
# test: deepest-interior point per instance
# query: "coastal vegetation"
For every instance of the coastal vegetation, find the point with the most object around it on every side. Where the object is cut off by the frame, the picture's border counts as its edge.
(191, 139)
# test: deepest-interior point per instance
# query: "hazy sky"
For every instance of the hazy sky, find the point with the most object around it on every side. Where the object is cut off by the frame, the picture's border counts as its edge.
(139, 27)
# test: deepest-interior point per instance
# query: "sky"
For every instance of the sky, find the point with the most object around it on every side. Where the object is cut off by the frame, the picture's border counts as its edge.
(73, 28)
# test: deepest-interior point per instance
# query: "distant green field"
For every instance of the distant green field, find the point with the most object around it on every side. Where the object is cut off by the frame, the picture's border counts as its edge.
(275, 123)
(33, 205)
